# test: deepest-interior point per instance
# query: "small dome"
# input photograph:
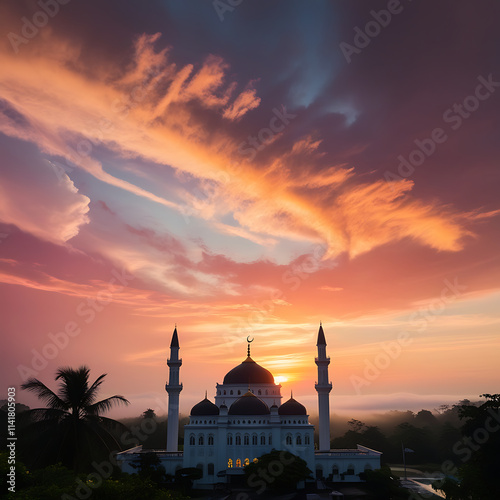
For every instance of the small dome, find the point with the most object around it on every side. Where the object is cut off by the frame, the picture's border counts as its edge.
(203, 408)
(249, 372)
(292, 407)
(249, 404)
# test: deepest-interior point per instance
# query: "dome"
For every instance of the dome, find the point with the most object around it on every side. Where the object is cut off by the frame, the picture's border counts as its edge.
(292, 407)
(203, 408)
(249, 372)
(249, 404)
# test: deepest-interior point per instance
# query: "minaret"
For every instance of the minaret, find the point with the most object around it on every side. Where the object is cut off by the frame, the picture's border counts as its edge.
(173, 387)
(323, 387)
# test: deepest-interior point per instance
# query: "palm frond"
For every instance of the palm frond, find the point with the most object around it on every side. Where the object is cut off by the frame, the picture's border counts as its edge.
(46, 414)
(44, 393)
(74, 386)
(105, 405)
(91, 394)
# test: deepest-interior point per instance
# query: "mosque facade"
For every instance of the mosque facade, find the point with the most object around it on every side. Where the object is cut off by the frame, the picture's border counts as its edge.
(248, 420)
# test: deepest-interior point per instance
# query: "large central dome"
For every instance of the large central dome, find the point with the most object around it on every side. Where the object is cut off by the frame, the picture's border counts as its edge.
(249, 372)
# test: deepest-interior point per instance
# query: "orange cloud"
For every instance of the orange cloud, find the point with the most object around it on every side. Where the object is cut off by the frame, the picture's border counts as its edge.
(145, 113)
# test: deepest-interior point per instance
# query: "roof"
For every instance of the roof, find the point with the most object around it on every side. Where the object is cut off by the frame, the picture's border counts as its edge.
(249, 404)
(203, 408)
(321, 336)
(175, 339)
(249, 372)
(292, 407)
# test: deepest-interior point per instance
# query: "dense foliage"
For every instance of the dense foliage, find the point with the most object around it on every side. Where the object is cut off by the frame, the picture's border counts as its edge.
(71, 429)
(276, 471)
(478, 448)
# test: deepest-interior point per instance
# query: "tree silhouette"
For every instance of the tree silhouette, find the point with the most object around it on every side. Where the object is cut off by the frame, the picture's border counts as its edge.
(71, 429)
(478, 452)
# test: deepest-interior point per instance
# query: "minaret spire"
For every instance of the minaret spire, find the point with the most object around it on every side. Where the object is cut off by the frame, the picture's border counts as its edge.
(173, 387)
(323, 388)
(248, 347)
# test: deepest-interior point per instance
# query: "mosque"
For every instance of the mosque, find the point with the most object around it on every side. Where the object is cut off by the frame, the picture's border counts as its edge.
(248, 420)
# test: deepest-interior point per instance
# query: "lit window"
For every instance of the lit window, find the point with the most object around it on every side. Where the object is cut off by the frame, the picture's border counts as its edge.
(238, 462)
(247, 462)
(255, 460)
(230, 463)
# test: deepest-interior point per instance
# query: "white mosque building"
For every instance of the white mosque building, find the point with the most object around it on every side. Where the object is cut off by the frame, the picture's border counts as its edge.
(248, 420)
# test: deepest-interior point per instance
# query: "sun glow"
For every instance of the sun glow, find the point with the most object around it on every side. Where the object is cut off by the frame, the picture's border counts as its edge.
(280, 379)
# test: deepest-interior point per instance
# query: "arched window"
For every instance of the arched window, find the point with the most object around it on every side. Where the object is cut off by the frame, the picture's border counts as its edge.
(350, 470)
(288, 439)
(210, 440)
(230, 463)
(238, 462)
(262, 439)
(224, 393)
(192, 441)
(259, 392)
(229, 439)
(254, 439)
(246, 440)
(246, 462)
(307, 440)
(200, 440)
(298, 440)
(270, 440)
(255, 460)
(335, 470)
(238, 440)
(231, 392)
(239, 393)
(210, 469)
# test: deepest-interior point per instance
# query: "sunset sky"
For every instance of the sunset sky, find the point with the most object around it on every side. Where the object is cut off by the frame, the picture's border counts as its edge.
(252, 169)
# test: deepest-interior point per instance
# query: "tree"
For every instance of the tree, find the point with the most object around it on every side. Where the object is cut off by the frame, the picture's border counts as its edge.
(277, 470)
(149, 466)
(478, 450)
(71, 430)
(149, 413)
(356, 425)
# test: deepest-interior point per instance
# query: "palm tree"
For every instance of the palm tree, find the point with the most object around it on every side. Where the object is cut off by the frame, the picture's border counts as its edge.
(71, 429)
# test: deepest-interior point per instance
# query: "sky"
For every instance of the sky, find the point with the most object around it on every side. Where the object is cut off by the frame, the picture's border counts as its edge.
(242, 168)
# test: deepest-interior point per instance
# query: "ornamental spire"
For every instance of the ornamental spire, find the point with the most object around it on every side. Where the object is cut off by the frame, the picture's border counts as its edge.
(248, 347)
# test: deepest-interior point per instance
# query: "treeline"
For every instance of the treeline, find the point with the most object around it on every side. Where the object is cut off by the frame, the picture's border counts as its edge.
(434, 436)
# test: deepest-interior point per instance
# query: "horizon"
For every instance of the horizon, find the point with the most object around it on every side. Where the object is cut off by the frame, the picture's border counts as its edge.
(166, 166)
